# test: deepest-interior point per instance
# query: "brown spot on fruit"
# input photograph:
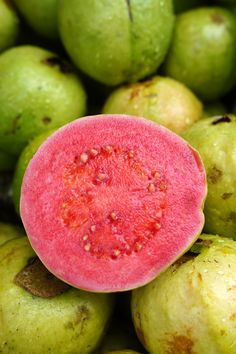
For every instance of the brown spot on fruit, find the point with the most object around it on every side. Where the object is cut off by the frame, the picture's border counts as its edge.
(214, 175)
(138, 328)
(46, 120)
(38, 281)
(221, 119)
(180, 344)
(63, 65)
(226, 196)
(202, 242)
(217, 18)
(233, 317)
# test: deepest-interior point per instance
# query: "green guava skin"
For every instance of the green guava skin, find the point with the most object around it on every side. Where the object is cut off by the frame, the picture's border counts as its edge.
(40, 15)
(212, 109)
(7, 161)
(9, 232)
(190, 308)
(38, 92)
(22, 163)
(214, 138)
(203, 51)
(160, 99)
(9, 25)
(184, 5)
(116, 41)
(72, 322)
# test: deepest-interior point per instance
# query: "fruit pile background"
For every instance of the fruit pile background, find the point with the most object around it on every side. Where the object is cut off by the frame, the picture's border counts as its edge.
(173, 63)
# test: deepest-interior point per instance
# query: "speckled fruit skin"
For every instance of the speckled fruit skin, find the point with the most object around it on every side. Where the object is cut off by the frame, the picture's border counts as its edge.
(70, 322)
(102, 195)
(38, 92)
(160, 99)
(9, 25)
(214, 138)
(40, 15)
(8, 232)
(116, 41)
(22, 163)
(190, 308)
(203, 44)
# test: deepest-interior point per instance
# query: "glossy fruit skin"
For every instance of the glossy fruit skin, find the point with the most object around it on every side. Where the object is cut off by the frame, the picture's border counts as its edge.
(190, 308)
(70, 322)
(40, 15)
(160, 99)
(214, 138)
(118, 41)
(203, 44)
(41, 93)
(9, 25)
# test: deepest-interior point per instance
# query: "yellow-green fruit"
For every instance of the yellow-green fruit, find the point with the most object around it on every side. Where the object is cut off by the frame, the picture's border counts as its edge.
(40, 313)
(116, 41)
(9, 25)
(161, 99)
(39, 91)
(190, 308)
(202, 54)
(8, 232)
(40, 15)
(214, 138)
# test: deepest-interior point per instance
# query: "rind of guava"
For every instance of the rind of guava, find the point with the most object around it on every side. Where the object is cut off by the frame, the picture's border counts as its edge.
(22, 163)
(110, 201)
(119, 41)
(190, 308)
(40, 15)
(214, 138)
(8, 232)
(211, 33)
(42, 93)
(9, 25)
(72, 322)
(160, 99)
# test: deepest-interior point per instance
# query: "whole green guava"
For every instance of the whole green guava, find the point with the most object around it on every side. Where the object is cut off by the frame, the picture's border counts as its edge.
(190, 308)
(40, 313)
(39, 91)
(214, 138)
(9, 25)
(202, 54)
(160, 99)
(116, 41)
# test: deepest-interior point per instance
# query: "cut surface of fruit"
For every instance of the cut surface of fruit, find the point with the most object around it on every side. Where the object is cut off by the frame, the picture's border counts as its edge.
(109, 201)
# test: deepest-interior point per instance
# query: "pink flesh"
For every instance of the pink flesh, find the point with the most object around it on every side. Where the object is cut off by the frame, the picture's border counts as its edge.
(108, 202)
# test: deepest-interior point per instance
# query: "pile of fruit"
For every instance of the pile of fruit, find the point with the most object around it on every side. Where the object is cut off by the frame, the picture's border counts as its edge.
(117, 177)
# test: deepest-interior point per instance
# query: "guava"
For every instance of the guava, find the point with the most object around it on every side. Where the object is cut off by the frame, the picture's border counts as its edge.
(22, 163)
(203, 51)
(41, 314)
(110, 201)
(214, 138)
(40, 15)
(216, 108)
(9, 25)
(161, 99)
(190, 308)
(118, 41)
(39, 91)
(9, 231)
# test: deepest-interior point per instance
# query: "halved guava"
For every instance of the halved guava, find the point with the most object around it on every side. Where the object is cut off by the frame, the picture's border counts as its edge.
(110, 201)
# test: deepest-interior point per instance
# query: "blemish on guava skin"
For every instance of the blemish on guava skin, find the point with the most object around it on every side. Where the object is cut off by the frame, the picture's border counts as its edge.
(226, 196)
(205, 243)
(82, 315)
(38, 281)
(138, 328)
(15, 124)
(217, 18)
(221, 119)
(214, 175)
(63, 65)
(46, 120)
(180, 344)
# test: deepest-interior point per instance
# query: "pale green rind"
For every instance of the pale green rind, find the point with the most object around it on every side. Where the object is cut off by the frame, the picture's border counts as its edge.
(38, 92)
(9, 25)
(160, 99)
(216, 144)
(40, 15)
(73, 322)
(203, 44)
(191, 307)
(118, 41)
